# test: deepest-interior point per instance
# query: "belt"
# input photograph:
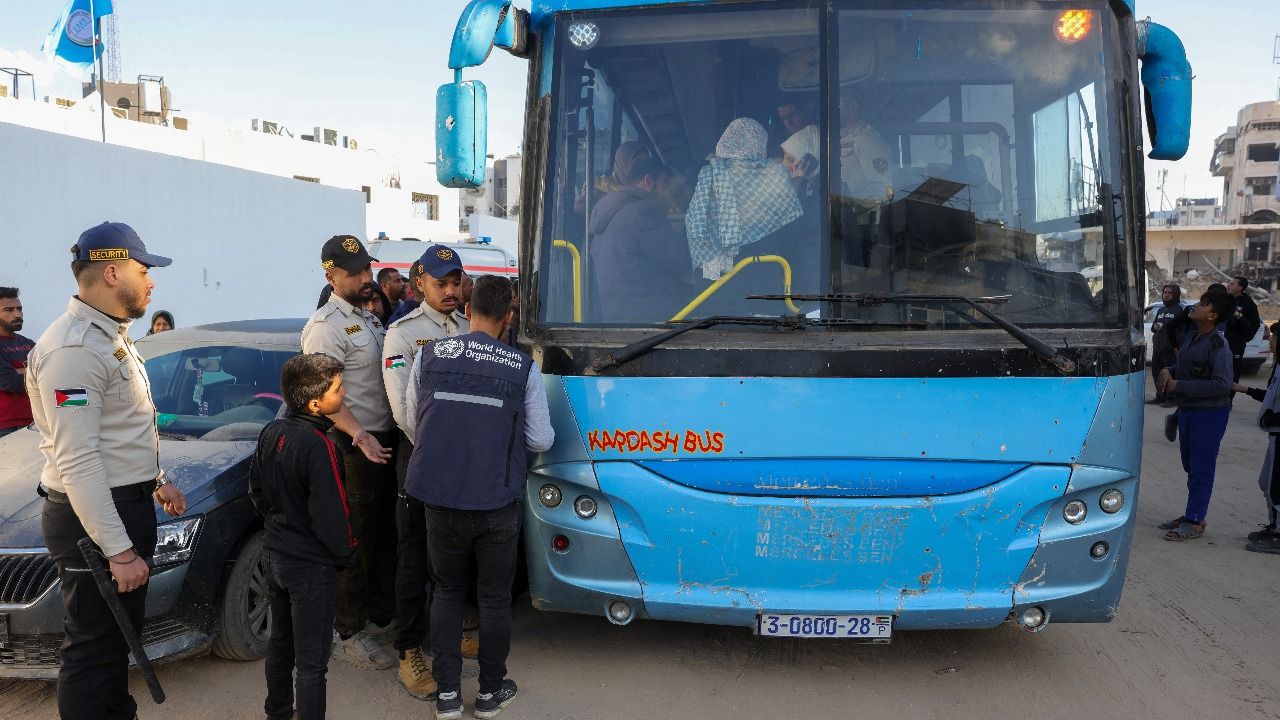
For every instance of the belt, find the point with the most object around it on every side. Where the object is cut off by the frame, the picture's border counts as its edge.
(137, 491)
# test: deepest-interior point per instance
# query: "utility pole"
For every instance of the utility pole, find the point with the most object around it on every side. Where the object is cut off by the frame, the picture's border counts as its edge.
(111, 37)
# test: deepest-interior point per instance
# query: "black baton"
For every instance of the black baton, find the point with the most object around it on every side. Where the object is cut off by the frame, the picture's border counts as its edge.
(107, 586)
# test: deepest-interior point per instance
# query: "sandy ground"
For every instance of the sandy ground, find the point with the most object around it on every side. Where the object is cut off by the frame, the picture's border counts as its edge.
(1197, 636)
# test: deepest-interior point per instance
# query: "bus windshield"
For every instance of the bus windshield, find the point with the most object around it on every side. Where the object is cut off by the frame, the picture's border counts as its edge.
(700, 155)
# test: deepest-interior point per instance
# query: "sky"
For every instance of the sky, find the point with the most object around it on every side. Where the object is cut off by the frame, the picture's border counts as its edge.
(370, 69)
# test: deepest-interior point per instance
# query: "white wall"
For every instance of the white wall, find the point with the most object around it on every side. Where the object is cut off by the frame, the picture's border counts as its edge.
(244, 244)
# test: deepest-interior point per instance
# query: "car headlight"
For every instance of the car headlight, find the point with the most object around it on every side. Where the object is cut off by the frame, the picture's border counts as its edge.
(175, 541)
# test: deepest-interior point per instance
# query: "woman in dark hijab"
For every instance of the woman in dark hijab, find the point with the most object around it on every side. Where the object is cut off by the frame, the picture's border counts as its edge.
(161, 320)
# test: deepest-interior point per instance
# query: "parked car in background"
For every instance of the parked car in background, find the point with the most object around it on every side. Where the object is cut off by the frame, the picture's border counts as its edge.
(1256, 353)
(215, 387)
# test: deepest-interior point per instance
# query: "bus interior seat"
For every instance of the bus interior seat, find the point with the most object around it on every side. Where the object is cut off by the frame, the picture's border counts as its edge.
(246, 367)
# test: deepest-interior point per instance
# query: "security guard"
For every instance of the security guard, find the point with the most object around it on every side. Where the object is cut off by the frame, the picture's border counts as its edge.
(344, 330)
(438, 277)
(864, 155)
(92, 405)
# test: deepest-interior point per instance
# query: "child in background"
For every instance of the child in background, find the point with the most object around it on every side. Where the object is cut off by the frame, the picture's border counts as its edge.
(1266, 539)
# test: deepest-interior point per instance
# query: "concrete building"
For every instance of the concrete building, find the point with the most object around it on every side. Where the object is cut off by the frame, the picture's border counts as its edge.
(1247, 158)
(1188, 211)
(402, 196)
(1178, 248)
(499, 197)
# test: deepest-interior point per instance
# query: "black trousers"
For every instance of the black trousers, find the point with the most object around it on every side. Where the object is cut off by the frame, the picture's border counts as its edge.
(93, 679)
(366, 590)
(1160, 359)
(303, 597)
(454, 539)
(413, 574)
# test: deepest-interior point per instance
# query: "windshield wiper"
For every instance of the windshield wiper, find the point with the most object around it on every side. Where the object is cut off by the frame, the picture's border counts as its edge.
(172, 435)
(1063, 363)
(785, 323)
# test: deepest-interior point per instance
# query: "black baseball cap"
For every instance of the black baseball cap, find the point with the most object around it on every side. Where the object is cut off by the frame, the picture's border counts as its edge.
(346, 252)
(439, 261)
(115, 241)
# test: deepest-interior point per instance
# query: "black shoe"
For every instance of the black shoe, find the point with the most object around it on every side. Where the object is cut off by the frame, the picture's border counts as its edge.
(1155, 401)
(488, 705)
(1262, 532)
(1269, 544)
(449, 705)
(1171, 427)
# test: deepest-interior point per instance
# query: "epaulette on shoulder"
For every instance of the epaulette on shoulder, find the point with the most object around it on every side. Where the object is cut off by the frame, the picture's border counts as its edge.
(324, 312)
(77, 328)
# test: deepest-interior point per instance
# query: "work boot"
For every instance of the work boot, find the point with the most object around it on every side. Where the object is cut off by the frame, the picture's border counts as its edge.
(488, 705)
(363, 651)
(470, 645)
(415, 674)
(449, 705)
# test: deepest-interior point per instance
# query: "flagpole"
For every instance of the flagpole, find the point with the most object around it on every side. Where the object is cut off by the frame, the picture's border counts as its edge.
(97, 58)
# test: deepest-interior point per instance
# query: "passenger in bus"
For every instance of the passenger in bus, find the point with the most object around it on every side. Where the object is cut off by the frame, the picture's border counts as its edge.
(741, 197)
(864, 155)
(981, 197)
(800, 155)
(639, 262)
(670, 190)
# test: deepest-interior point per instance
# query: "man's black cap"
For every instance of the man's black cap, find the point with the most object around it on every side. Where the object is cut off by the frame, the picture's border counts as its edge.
(346, 252)
(115, 241)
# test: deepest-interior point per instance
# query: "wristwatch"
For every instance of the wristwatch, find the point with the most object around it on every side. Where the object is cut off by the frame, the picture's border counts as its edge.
(161, 481)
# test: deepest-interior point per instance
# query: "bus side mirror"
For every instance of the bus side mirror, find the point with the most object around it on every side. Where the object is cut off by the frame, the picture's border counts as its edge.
(1166, 83)
(484, 24)
(461, 134)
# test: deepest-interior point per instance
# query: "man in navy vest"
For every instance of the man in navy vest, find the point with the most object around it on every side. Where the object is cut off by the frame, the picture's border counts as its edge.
(471, 484)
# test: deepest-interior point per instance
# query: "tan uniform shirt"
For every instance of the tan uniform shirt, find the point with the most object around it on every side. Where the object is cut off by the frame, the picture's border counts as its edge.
(92, 405)
(354, 337)
(864, 162)
(405, 338)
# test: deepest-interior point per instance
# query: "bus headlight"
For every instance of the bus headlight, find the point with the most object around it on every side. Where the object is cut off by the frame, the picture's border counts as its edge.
(176, 541)
(1111, 501)
(585, 507)
(1075, 512)
(549, 496)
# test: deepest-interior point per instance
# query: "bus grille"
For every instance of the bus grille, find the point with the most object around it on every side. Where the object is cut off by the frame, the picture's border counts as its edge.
(23, 578)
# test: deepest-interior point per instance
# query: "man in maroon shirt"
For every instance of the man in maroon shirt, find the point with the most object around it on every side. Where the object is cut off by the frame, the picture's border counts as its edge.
(15, 407)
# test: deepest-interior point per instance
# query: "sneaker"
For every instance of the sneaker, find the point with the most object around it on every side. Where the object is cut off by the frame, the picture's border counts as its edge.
(1269, 544)
(415, 675)
(363, 651)
(488, 705)
(382, 633)
(470, 646)
(449, 705)
(1262, 532)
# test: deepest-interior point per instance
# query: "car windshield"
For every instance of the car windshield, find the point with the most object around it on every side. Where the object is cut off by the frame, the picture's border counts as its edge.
(699, 155)
(216, 393)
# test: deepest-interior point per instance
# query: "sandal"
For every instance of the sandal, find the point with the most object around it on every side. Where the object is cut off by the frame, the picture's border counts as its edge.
(1172, 524)
(1185, 531)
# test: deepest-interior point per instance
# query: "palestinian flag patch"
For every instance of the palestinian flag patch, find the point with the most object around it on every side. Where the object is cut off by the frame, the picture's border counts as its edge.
(71, 397)
(395, 361)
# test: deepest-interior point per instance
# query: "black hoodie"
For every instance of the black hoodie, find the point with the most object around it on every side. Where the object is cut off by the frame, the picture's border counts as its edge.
(296, 485)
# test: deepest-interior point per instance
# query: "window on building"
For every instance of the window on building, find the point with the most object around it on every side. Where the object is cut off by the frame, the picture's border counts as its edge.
(1198, 213)
(1261, 185)
(368, 194)
(1264, 152)
(304, 178)
(1258, 250)
(425, 207)
(1267, 125)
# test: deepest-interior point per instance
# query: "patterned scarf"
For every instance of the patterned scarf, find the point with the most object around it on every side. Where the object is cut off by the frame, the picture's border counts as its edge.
(740, 198)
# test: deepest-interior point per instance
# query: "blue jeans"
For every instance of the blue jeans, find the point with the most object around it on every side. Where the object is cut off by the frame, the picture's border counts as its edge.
(1200, 432)
(303, 597)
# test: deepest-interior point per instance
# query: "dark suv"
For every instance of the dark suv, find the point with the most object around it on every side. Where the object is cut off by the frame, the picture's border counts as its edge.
(214, 386)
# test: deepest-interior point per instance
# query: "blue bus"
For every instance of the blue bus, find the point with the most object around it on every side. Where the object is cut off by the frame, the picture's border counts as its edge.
(838, 302)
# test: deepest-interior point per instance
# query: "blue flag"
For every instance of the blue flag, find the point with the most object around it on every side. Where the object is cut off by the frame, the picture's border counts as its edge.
(72, 37)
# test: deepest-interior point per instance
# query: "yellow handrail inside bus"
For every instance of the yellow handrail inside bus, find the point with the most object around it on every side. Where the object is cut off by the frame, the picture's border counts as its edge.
(786, 283)
(577, 276)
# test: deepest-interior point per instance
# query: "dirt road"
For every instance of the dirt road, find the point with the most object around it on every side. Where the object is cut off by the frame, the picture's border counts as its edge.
(1197, 636)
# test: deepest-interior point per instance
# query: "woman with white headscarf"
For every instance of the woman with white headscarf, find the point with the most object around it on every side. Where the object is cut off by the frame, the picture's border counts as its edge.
(741, 197)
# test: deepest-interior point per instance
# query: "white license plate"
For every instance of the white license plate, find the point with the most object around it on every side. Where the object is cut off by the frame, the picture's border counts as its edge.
(863, 627)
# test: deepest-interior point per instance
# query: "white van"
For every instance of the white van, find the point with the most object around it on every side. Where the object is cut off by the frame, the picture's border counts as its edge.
(477, 258)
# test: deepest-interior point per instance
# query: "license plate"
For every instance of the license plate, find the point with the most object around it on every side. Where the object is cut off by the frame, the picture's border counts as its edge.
(863, 627)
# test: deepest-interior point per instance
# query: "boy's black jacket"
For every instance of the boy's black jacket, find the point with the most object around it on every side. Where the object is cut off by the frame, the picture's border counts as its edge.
(296, 485)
